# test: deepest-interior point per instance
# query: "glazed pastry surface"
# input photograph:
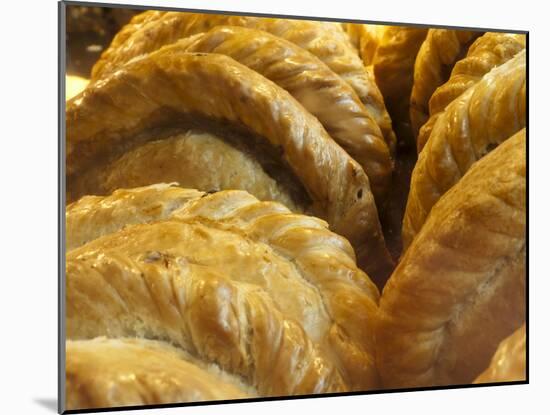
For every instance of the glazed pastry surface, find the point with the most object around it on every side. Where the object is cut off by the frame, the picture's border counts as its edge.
(107, 373)
(242, 223)
(437, 56)
(366, 38)
(487, 52)
(94, 216)
(327, 41)
(474, 123)
(508, 364)
(282, 304)
(171, 89)
(460, 287)
(393, 66)
(323, 93)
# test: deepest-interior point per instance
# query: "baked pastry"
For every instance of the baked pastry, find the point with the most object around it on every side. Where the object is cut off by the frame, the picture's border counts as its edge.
(393, 66)
(460, 287)
(327, 41)
(508, 363)
(168, 92)
(365, 37)
(354, 34)
(192, 158)
(474, 123)
(314, 85)
(280, 303)
(438, 54)
(109, 373)
(94, 216)
(488, 51)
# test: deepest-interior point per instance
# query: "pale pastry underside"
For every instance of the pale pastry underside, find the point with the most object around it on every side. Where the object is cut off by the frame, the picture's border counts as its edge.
(159, 94)
(323, 93)
(196, 160)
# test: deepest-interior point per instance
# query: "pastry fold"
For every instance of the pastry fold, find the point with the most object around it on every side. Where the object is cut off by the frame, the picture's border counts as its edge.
(168, 90)
(327, 41)
(281, 303)
(393, 66)
(474, 123)
(437, 56)
(111, 373)
(487, 52)
(508, 364)
(460, 287)
(94, 216)
(366, 38)
(324, 94)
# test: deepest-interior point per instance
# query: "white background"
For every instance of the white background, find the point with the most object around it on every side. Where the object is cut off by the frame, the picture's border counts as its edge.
(28, 271)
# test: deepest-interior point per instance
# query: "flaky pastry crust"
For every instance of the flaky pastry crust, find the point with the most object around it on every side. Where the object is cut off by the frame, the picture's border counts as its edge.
(487, 52)
(193, 159)
(393, 66)
(480, 119)
(366, 38)
(460, 287)
(437, 56)
(94, 216)
(280, 304)
(169, 87)
(314, 85)
(325, 40)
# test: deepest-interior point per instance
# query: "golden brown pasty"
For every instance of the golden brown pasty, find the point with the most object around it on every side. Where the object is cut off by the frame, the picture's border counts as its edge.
(487, 52)
(109, 373)
(314, 85)
(438, 54)
(327, 41)
(270, 296)
(460, 287)
(474, 123)
(168, 93)
(508, 363)
(393, 66)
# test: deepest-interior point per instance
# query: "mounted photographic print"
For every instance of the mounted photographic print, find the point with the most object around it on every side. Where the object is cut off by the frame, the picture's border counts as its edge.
(258, 207)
